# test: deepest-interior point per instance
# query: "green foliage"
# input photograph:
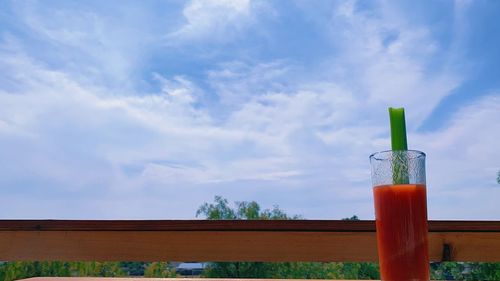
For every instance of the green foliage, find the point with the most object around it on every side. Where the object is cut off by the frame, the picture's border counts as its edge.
(306, 270)
(237, 270)
(484, 271)
(292, 270)
(353, 218)
(465, 271)
(18, 270)
(221, 210)
(360, 270)
(159, 269)
(498, 177)
(133, 268)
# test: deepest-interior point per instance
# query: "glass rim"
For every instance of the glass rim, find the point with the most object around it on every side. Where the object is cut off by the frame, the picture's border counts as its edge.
(413, 154)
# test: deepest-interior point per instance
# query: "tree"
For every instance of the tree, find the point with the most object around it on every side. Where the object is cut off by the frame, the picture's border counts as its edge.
(18, 270)
(353, 218)
(221, 209)
(133, 268)
(465, 271)
(483, 271)
(306, 270)
(159, 270)
(498, 177)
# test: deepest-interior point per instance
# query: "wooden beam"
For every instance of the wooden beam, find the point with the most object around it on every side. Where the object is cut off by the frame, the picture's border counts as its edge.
(230, 241)
(233, 225)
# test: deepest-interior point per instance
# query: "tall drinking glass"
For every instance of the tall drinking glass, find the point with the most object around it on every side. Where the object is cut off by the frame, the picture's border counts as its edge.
(401, 214)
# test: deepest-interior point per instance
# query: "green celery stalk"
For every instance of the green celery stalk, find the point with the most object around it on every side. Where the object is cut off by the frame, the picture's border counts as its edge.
(399, 145)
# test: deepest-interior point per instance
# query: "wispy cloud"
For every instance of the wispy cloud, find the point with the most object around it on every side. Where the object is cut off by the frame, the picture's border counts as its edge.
(249, 127)
(214, 20)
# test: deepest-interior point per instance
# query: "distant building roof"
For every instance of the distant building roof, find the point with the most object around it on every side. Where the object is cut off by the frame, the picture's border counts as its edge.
(191, 265)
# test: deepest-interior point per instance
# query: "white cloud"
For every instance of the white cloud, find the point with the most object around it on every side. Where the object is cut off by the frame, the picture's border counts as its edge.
(119, 131)
(389, 60)
(284, 137)
(462, 162)
(214, 19)
(465, 154)
(236, 82)
(95, 45)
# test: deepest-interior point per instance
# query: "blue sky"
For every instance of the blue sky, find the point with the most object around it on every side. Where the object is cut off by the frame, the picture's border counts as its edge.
(147, 109)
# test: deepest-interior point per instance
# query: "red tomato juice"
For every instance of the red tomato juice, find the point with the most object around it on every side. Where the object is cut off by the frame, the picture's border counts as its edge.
(401, 218)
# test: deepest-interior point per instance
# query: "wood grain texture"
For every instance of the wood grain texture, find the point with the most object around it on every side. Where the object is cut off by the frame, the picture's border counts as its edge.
(230, 240)
(186, 245)
(227, 246)
(232, 225)
(187, 225)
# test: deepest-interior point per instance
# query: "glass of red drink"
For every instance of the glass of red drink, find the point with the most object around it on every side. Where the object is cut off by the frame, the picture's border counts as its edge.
(399, 191)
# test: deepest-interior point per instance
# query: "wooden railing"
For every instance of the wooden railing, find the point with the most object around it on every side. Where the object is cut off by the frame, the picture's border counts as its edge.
(205, 240)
